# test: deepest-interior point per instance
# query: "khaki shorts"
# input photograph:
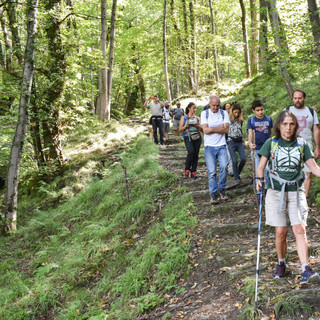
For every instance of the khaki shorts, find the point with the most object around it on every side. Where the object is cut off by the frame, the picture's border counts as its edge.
(175, 125)
(296, 215)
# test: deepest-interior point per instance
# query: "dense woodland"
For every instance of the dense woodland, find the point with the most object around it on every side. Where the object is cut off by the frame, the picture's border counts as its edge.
(69, 69)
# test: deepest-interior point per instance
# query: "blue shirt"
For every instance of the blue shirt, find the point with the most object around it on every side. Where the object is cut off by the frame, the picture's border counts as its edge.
(262, 129)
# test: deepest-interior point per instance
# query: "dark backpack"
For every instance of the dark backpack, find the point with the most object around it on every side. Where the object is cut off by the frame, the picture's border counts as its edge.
(310, 109)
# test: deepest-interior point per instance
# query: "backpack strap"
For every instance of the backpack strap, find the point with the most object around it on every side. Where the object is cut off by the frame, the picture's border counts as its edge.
(312, 112)
(222, 113)
(207, 114)
(252, 123)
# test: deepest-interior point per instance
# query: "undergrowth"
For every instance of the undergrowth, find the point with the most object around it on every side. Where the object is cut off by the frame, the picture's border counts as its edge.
(97, 254)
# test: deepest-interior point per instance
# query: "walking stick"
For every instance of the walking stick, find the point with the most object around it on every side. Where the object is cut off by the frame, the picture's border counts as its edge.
(254, 168)
(258, 251)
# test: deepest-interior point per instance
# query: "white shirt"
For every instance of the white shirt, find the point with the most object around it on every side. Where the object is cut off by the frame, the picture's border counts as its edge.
(214, 120)
(306, 122)
(166, 116)
(156, 109)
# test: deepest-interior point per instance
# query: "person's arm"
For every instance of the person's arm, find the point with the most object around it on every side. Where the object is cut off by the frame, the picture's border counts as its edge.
(223, 128)
(252, 145)
(316, 135)
(182, 127)
(161, 103)
(198, 126)
(312, 165)
(260, 171)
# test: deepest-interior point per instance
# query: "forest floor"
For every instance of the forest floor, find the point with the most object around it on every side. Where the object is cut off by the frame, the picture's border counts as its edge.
(221, 278)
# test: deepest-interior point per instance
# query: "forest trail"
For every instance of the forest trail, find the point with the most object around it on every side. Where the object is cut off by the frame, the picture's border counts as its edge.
(221, 273)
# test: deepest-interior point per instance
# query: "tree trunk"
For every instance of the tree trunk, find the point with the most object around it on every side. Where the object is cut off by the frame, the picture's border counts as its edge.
(194, 47)
(164, 47)
(254, 37)
(102, 96)
(56, 67)
(245, 39)
(215, 55)
(279, 39)
(17, 145)
(13, 25)
(111, 58)
(315, 25)
(142, 88)
(7, 43)
(35, 127)
(263, 37)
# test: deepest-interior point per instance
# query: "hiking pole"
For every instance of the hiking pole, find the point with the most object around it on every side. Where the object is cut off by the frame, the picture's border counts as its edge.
(258, 250)
(254, 167)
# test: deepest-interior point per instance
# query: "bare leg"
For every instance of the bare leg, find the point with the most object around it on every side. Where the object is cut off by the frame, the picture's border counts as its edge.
(299, 231)
(281, 241)
(307, 183)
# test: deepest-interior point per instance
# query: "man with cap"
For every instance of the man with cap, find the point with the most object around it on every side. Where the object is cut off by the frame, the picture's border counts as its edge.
(177, 112)
(166, 114)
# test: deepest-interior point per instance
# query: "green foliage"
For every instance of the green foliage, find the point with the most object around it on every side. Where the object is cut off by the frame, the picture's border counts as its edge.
(97, 253)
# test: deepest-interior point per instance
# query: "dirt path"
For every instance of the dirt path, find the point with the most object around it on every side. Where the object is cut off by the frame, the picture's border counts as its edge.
(221, 273)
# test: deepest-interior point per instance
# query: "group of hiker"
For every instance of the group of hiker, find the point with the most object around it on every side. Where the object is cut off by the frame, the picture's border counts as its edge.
(283, 162)
(161, 113)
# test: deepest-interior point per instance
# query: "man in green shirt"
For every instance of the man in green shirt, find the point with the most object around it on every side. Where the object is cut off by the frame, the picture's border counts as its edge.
(287, 154)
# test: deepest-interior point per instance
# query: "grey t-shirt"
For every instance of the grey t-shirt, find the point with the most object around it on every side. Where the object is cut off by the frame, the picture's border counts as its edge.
(156, 109)
(178, 113)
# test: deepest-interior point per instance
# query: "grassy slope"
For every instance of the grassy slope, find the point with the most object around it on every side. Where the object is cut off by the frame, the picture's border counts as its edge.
(97, 253)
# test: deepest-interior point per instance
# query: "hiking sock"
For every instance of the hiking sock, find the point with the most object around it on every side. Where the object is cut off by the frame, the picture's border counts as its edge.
(303, 267)
(282, 260)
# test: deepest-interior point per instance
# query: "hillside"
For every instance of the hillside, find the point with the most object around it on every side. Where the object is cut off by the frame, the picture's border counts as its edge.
(89, 248)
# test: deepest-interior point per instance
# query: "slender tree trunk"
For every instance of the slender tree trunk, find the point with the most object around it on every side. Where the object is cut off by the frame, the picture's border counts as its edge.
(17, 145)
(164, 47)
(142, 88)
(7, 43)
(194, 67)
(111, 58)
(215, 54)
(254, 37)
(263, 37)
(102, 96)
(279, 39)
(13, 25)
(245, 39)
(92, 94)
(315, 25)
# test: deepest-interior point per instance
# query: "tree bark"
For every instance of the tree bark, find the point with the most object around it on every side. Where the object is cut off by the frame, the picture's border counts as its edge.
(279, 39)
(254, 37)
(18, 141)
(194, 67)
(315, 25)
(7, 43)
(215, 54)
(102, 96)
(56, 68)
(245, 39)
(13, 25)
(263, 38)
(164, 47)
(111, 58)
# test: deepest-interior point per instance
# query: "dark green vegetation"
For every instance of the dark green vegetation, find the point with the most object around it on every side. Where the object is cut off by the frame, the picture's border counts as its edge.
(96, 253)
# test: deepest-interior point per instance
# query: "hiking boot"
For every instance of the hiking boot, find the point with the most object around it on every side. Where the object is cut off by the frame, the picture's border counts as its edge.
(309, 276)
(280, 270)
(194, 175)
(223, 195)
(238, 181)
(214, 198)
(186, 174)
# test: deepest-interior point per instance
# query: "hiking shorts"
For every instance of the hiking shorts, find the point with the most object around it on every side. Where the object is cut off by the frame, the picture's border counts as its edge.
(175, 126)
(296, 215)
(166, 126)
